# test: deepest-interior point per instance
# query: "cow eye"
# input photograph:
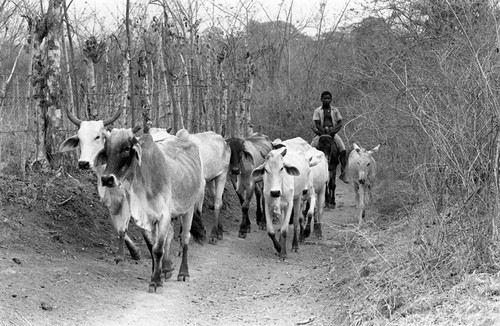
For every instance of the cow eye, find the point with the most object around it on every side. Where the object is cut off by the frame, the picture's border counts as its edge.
(97, 137)
(126, 149)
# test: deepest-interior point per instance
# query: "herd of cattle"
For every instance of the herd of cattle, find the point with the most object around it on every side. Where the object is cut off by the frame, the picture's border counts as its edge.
(159, 177)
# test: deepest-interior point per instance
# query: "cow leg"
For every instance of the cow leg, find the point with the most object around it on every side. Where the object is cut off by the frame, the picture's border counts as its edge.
(135, 251)
(270, 227)
(167, 266)
(120, 217)
(260, 219)
(217, 189)
(245, 221)
(185, 237)
(284, 229)
(330, 197)
(163, 228)
(149, 239)
(305, 220)
(318, 213)
(120, 254)
(298, 212)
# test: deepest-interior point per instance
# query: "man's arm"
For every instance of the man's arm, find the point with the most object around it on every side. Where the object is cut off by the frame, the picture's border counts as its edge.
(336, 128)
(317, 124)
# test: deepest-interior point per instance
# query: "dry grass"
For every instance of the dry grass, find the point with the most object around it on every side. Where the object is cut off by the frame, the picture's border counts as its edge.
(399, 278)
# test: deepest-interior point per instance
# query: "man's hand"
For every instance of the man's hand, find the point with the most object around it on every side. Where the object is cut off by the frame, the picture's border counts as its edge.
(333, 130)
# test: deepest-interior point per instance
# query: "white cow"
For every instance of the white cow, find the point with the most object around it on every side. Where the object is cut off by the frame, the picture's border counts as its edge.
(285, 174)
(163, 180)
(318, 180)
(90, 139)
(362, 169)
(214, 155)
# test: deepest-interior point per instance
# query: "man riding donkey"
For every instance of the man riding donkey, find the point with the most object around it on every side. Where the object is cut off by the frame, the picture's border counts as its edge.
(328, 121)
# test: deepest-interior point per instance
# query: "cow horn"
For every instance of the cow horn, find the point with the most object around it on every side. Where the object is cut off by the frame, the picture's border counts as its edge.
(72, 118)
(113, 118)
(136, 129)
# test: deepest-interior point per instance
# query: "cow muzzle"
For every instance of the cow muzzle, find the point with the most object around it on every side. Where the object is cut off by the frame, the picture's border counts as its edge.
(109, 180)
(84, 165)
(235, 171)
(275, 193)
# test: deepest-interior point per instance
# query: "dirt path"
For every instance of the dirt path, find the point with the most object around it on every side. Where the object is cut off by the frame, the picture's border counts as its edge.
(236, 282)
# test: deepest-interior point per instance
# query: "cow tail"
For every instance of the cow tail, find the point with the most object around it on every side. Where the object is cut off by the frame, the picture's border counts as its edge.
(198, 231)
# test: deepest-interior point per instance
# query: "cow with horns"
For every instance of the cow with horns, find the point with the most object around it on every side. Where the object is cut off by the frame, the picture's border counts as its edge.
(318, 180)
(90, 139)
(163, 180)
(285, 173)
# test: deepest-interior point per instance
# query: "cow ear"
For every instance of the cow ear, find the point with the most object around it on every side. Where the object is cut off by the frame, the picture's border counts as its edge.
(258, 171)
(137, 152)
(356, 147)
(313, 161)
(248, 156)
(374, 150)
(291, 170)
(101, 158)
(69, 144)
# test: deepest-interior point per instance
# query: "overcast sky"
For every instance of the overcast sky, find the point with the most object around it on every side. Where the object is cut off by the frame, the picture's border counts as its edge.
(304, 12)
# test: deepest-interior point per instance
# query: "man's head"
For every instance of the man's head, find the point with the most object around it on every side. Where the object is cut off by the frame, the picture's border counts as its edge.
(326, 93)
(326, 98)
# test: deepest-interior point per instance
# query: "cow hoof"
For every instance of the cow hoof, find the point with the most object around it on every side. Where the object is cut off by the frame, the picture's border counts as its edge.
(119, 260)
(213, 240)
(155, 288)
(167, 274)
(183, 278)
(262, 226)
(220, 236)
(307, 231)
(135, 255)
(242, 235)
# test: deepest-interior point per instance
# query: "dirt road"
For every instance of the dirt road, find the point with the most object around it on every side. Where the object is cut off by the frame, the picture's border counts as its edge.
(236, 282)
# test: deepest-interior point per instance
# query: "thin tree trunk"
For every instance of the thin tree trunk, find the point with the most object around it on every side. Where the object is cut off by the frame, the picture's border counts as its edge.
(53, 73)
(38, 32)
(126, 62)
(69, 80)
(178, 114)
(249, 74)
(144, 91)
(91, 88)
(74, 80)
(6, 83)
(189, 95)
